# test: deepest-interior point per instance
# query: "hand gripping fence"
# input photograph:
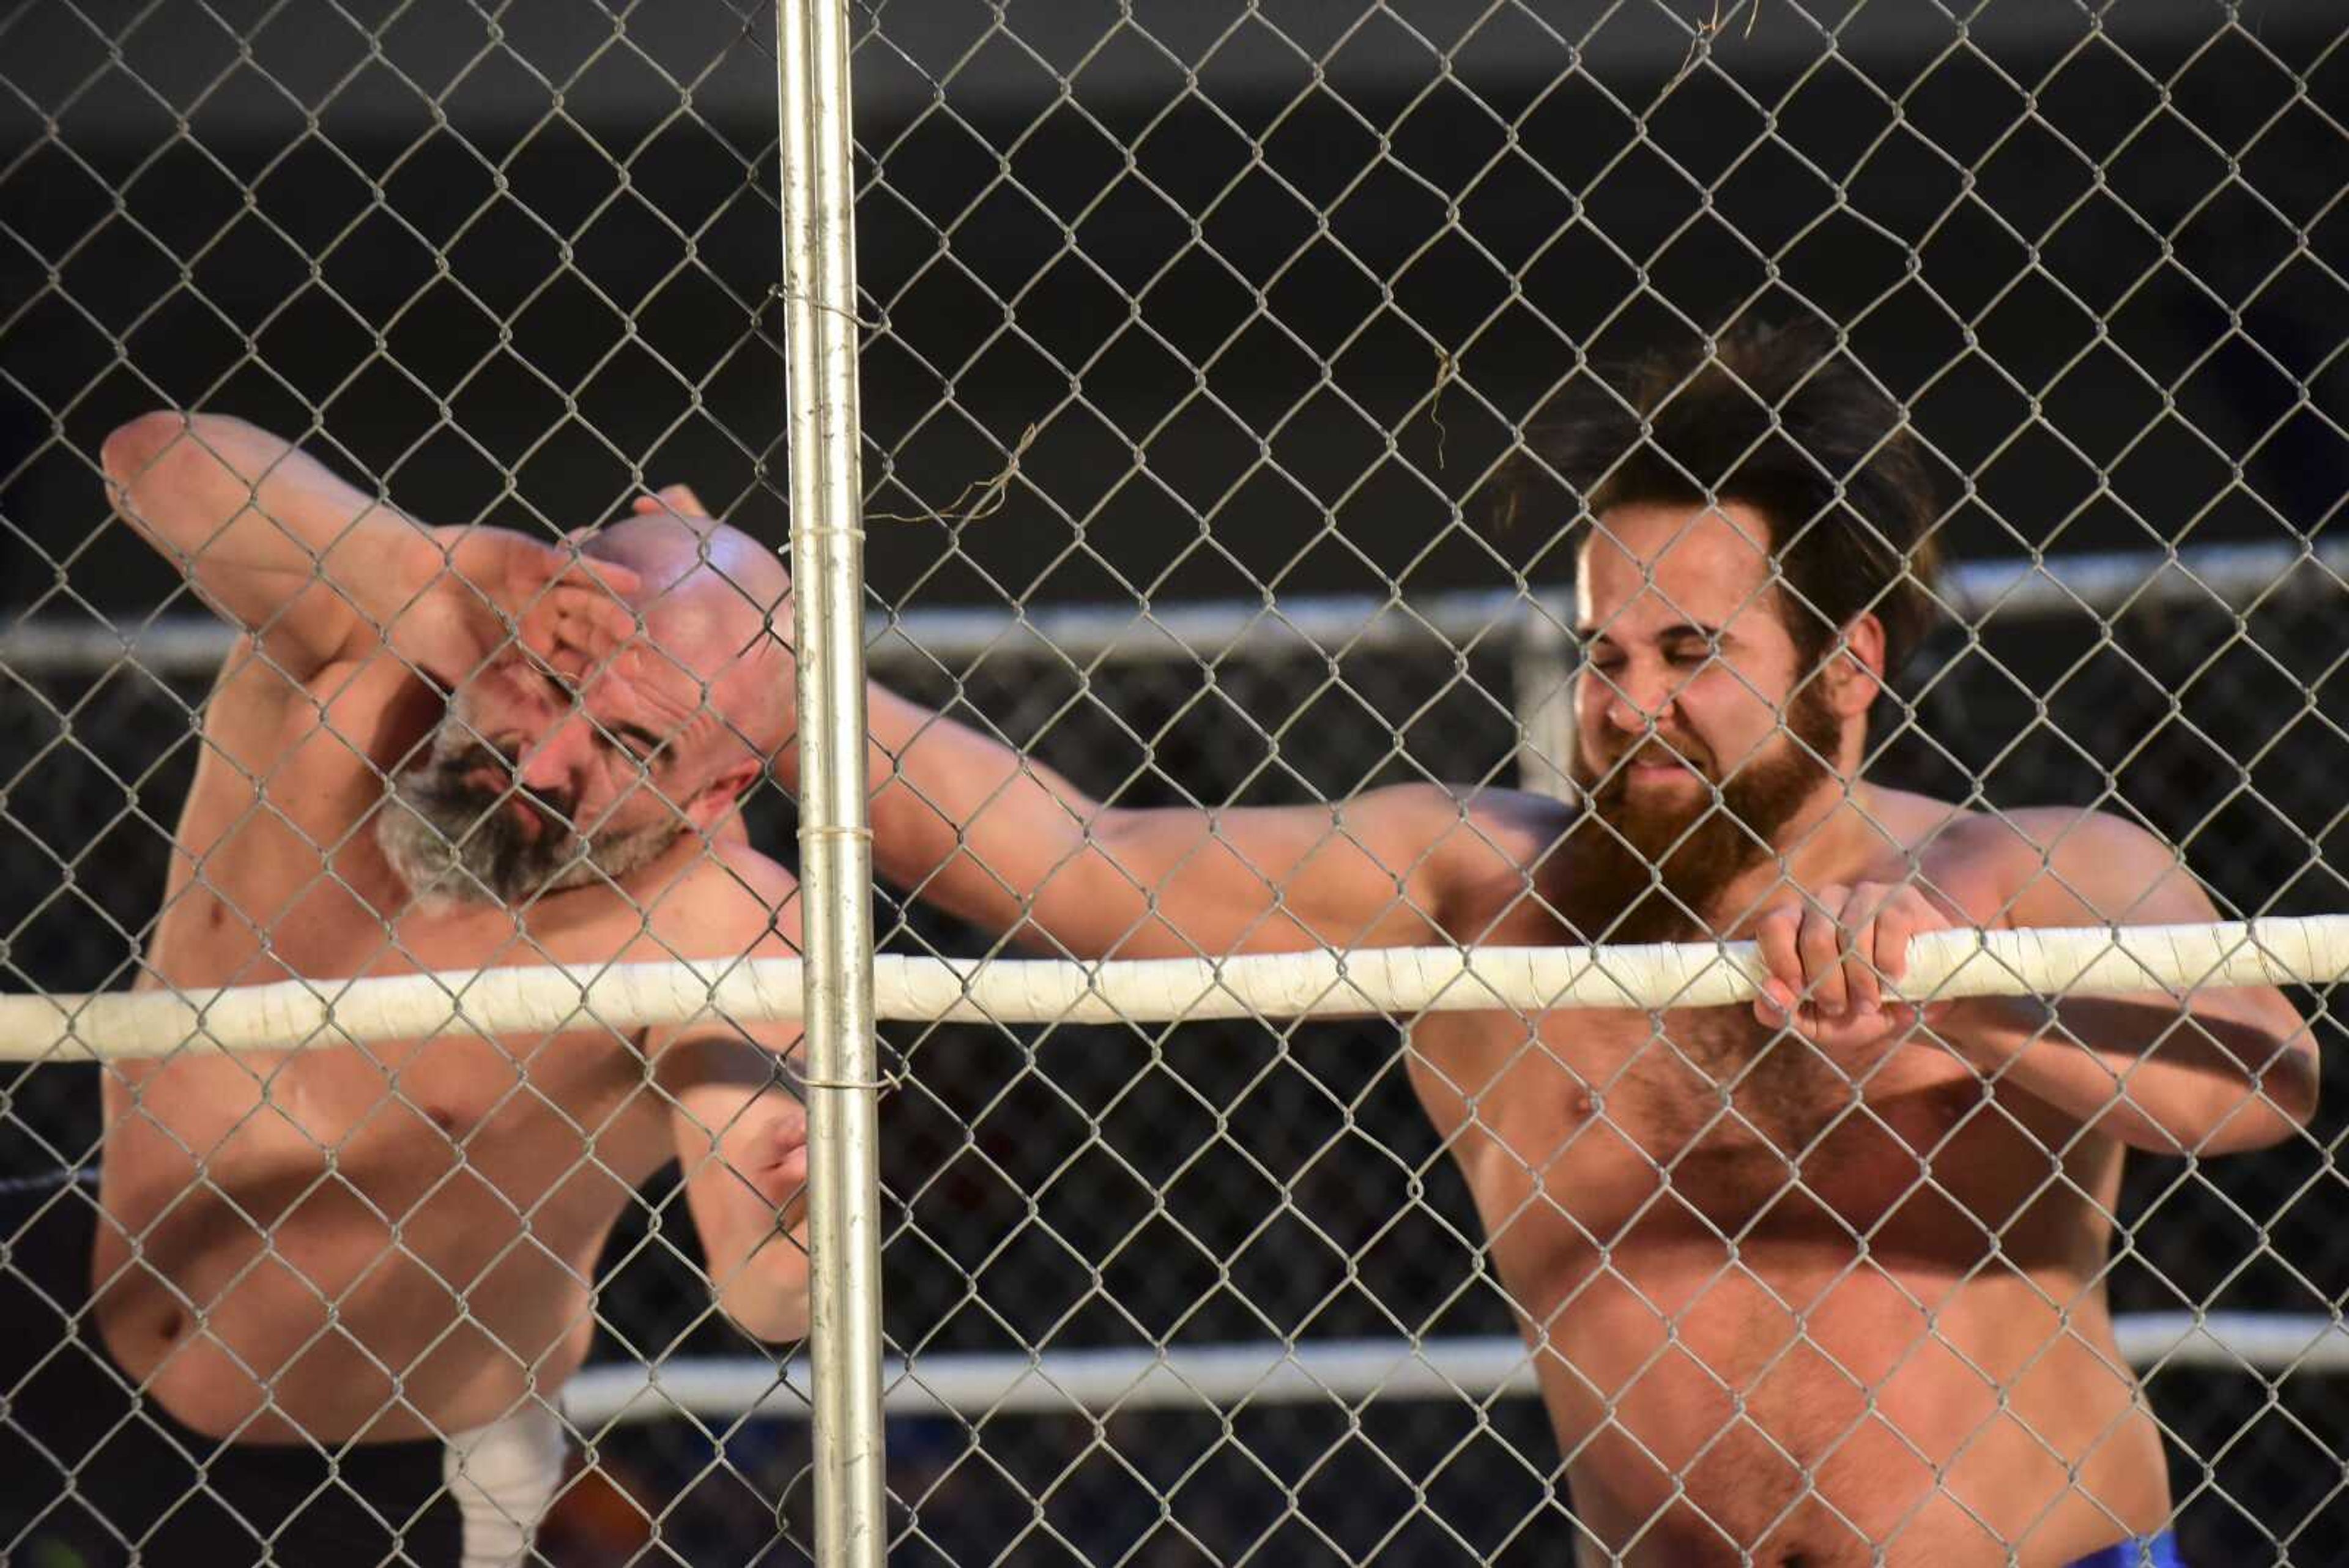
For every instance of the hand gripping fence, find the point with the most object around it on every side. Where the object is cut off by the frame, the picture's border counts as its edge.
(1397, 981)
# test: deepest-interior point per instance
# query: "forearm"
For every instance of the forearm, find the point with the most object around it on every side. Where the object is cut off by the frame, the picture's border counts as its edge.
(268, 535)
(749, 1203)
(741, 1145)
(2232, 1070)
(966, 824)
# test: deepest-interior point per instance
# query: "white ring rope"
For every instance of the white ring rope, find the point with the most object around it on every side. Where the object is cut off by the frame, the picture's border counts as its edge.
(1397, 981)
(1214, 1377)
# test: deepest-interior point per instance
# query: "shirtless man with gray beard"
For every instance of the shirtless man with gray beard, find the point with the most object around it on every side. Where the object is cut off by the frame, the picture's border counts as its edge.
(1814, 1284)
(324, 1301)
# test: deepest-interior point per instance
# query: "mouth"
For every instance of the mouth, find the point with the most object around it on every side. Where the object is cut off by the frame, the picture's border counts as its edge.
(1655, 767)
(526, 818)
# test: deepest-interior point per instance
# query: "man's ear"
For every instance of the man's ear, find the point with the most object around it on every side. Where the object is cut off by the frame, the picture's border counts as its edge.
(716, 799)
(1854, 670)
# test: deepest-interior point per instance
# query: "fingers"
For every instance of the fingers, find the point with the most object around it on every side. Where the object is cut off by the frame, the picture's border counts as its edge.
(614, 581)
(1895, 924)
(1781, 989)
(592, 623)
(677, 499)
(573, 628)
(1829, 959)
(576, 600)
(592, 613)
(532, 569)
(1862, 991)
(1819, 942)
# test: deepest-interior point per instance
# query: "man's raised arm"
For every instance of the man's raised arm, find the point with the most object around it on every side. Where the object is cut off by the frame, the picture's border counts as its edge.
(319, 571)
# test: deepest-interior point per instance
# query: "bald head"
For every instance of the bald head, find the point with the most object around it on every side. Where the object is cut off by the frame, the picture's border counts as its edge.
(717, 602)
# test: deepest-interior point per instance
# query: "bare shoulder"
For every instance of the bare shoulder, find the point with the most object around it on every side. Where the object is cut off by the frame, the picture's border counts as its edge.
(2053, 866)
(725, 899)
(1517, 827)
(1500, 841)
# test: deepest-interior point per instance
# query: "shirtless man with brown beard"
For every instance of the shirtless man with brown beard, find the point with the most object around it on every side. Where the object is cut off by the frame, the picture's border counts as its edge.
(324, 1299)
(1811, 1285)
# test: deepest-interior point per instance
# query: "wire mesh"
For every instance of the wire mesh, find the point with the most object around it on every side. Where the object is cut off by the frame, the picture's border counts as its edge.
(1243, 303)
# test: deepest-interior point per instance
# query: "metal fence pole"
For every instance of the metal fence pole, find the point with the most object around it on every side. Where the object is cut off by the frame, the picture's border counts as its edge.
(836, 845)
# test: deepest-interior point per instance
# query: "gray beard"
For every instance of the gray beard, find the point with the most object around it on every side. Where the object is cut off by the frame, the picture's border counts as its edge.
(453, 842)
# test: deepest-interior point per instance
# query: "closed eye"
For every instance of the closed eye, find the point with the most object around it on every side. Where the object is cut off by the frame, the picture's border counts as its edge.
(641, 744)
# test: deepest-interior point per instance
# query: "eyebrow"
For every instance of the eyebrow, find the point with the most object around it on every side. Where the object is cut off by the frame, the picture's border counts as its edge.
(1671, 633)
(636, 733)
(624, 729)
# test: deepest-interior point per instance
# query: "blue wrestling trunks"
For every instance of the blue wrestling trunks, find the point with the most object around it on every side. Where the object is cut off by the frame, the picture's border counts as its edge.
(2159, 1551)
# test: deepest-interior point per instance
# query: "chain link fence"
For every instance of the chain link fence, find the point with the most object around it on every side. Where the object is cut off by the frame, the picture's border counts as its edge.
(1238, 304)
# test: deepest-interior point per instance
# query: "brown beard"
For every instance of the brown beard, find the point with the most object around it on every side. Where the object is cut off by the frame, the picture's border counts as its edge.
(1632, 871)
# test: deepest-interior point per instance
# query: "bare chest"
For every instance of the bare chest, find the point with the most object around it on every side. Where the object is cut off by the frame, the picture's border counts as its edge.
(1649, 1127)
(498, 1097)
(1712, 1080)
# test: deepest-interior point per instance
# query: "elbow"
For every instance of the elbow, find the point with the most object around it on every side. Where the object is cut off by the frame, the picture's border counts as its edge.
(151, 471)
(2291, 1084)
(135, 448)
(2277, 1101)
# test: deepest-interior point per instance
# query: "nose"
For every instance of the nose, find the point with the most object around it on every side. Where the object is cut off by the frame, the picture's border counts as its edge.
(551, 765)
(1637, 697)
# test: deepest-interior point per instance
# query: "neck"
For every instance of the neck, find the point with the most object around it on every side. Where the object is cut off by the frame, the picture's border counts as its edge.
(1819, 844)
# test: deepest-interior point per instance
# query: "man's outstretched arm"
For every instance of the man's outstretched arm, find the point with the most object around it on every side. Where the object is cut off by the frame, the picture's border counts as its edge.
(973, 826)
(966, 823)
(320, 571)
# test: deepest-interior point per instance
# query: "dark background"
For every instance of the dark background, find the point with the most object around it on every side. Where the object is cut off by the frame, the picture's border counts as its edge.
(514, 268)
